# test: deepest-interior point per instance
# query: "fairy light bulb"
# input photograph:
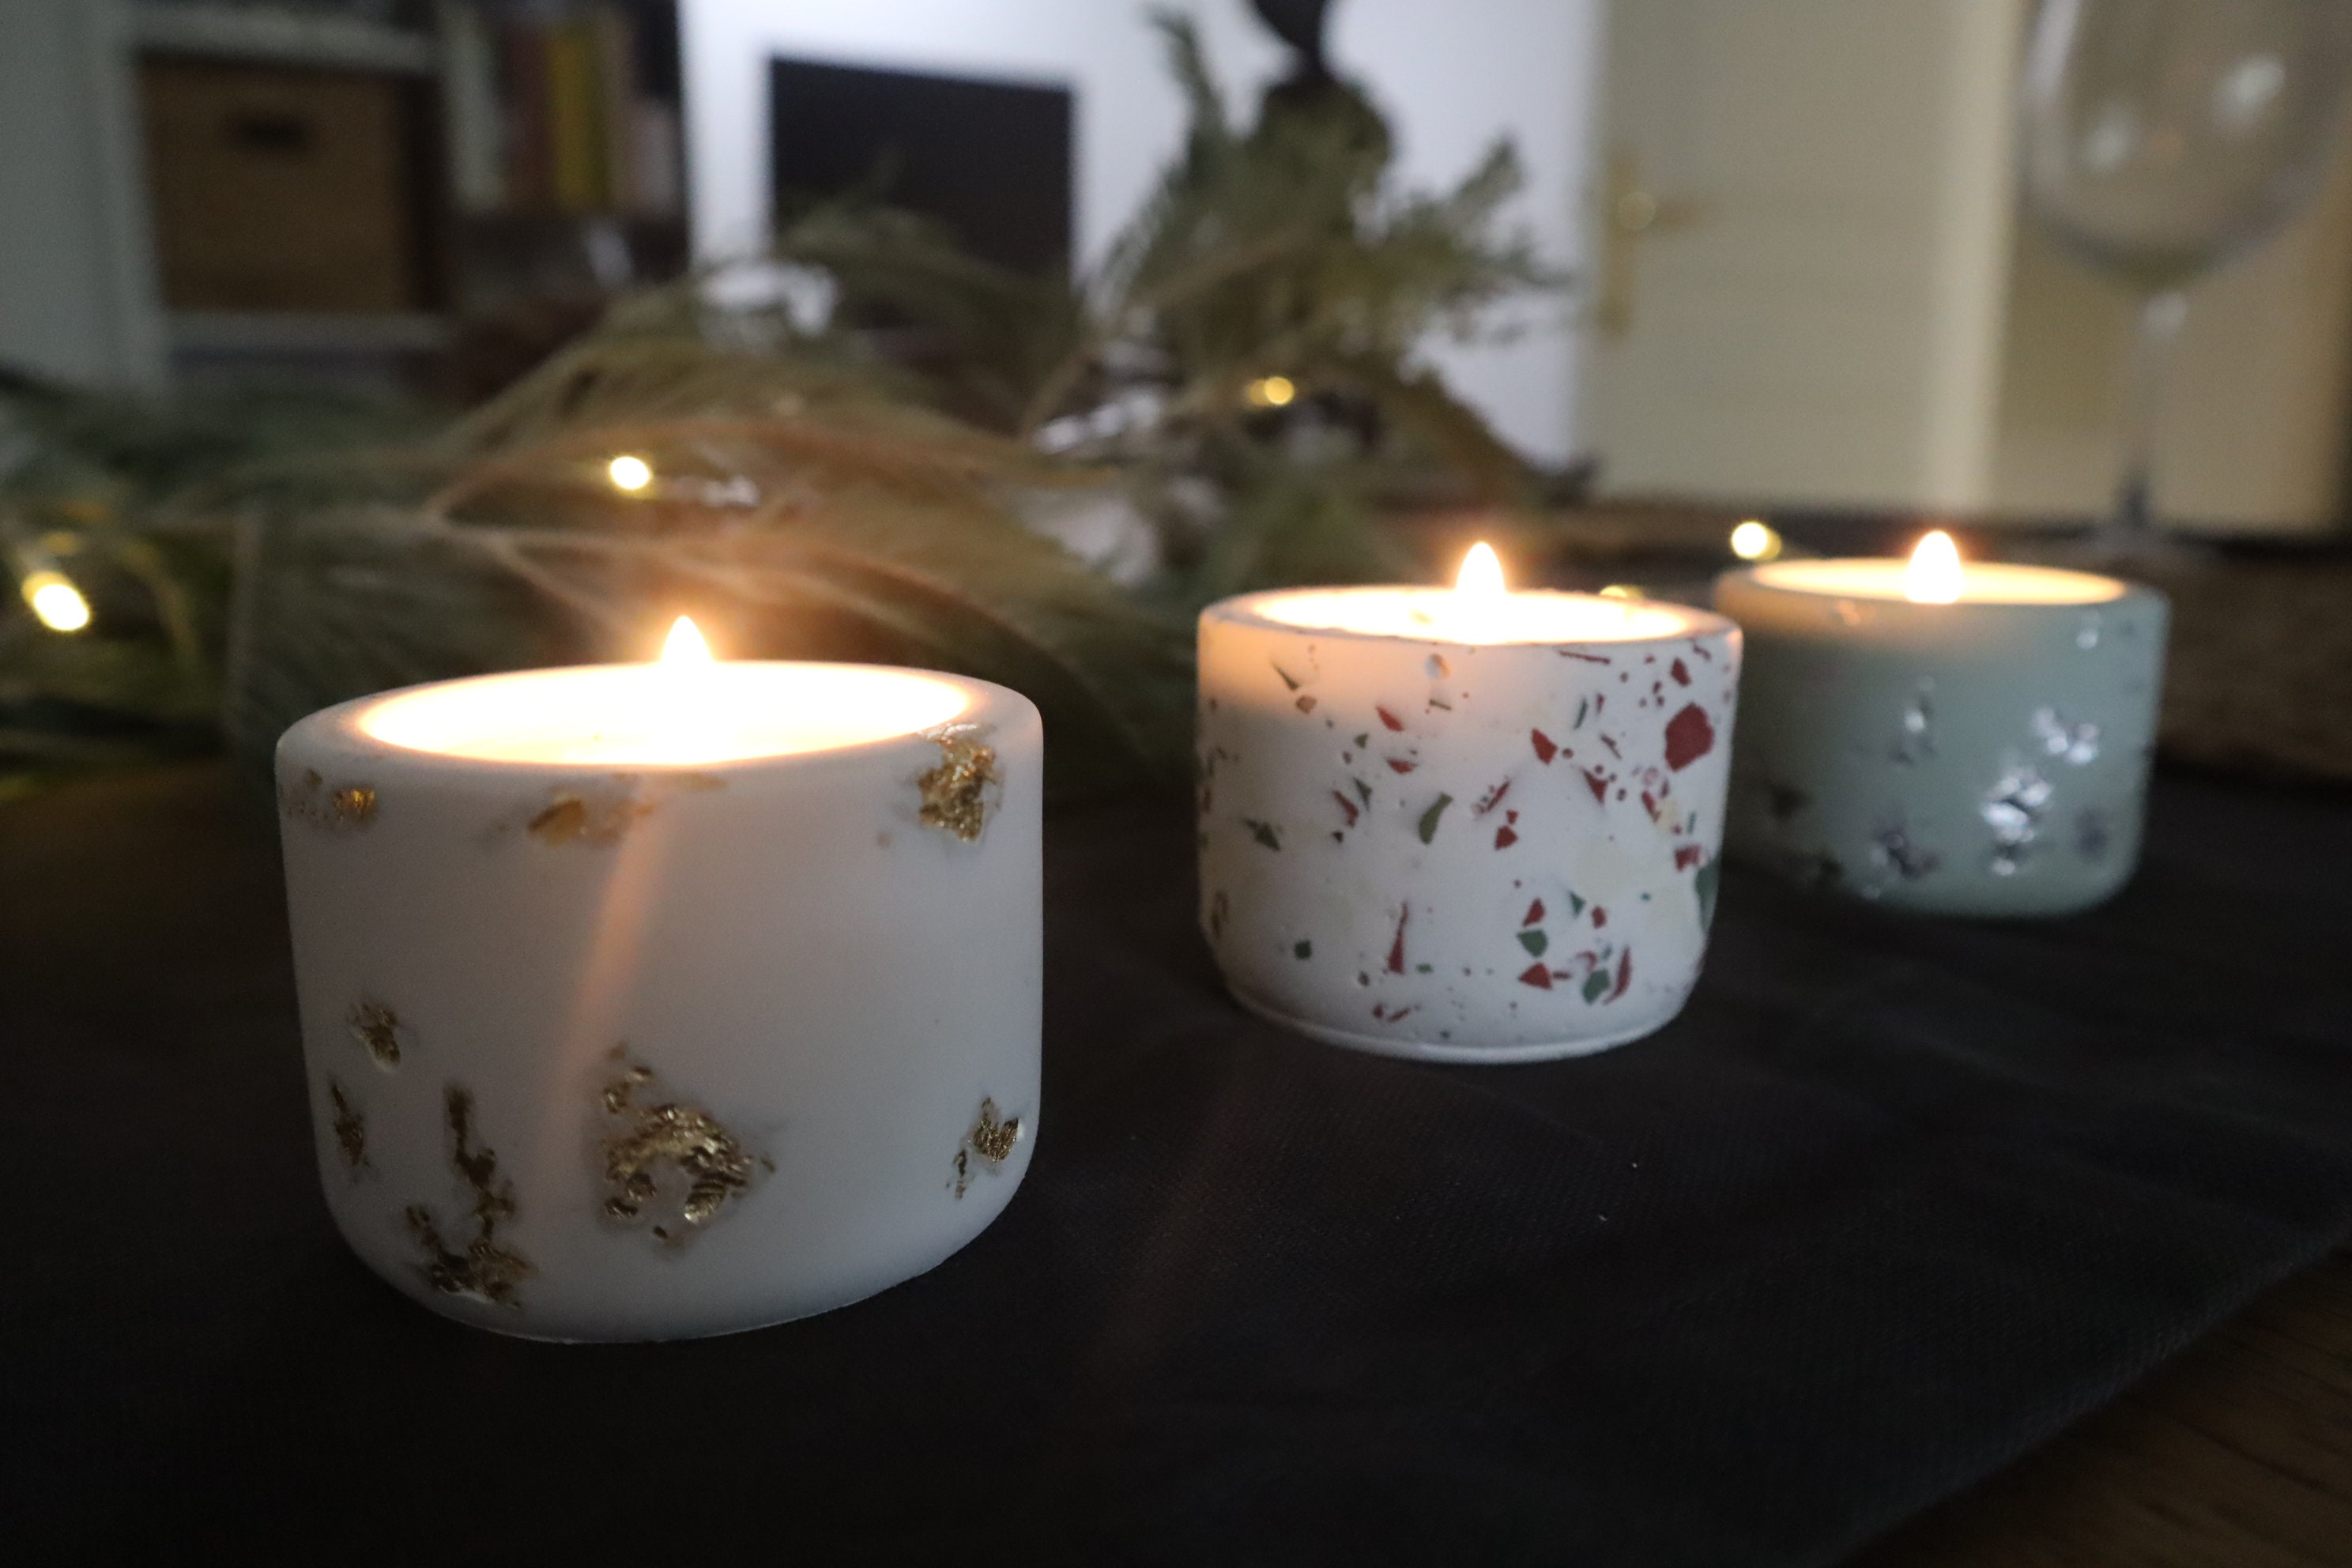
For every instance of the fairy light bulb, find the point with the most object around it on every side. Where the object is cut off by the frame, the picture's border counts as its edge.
(1271, 392)
(1755, 540)
(56, 602)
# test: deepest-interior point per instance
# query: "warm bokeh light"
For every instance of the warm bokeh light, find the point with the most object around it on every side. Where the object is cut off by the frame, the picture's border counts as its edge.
(1271, 392)
(1755, 541)
(56, 602)
(629, 473)
(1934, 576)
(1621, 591)
(684, 644)
(1482, 571)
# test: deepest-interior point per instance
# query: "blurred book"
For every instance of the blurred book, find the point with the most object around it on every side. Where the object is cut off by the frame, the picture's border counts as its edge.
(470, 95)
(659, 158)
(574, 119)
(529, 154)
(555, 113)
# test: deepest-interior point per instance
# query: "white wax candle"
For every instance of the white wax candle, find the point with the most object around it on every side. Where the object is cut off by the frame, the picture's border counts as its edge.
(1466, 825)
(645, 1002)
(1947, 736)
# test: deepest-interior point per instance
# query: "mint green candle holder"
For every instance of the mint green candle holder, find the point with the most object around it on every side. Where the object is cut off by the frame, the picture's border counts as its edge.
(1987, 756)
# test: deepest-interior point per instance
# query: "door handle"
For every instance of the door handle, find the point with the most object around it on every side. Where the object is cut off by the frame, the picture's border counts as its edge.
(1630, 212)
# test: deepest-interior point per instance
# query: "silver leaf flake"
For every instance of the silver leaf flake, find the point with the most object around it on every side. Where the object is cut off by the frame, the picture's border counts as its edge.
(1894, 850)
(2013, 808)
(2078, 744)
(1917, 739)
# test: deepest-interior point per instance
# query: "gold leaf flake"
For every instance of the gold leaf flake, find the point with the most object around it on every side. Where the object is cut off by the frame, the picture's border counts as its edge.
(345, 808)
(993, 1138)
(990, 1139)
(354, 805)
(955, 794)
(641, 1139)
(604, 812)
(350, 1128)
(572, 819)
(377, 1028)
(481, 1270)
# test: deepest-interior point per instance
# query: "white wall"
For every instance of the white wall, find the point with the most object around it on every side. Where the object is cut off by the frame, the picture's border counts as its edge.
(1453, 74)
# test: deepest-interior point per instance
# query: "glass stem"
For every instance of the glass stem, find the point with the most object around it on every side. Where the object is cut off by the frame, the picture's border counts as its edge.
(2160, 316)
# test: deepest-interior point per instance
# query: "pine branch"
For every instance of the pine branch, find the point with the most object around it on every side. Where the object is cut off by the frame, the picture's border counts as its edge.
(838, 467)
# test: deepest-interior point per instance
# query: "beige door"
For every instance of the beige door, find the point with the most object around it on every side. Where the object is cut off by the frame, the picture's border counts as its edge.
(1810, 288)
(1802, 250)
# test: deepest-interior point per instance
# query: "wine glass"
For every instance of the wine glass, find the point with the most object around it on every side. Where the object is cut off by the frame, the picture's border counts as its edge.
(2157, 139)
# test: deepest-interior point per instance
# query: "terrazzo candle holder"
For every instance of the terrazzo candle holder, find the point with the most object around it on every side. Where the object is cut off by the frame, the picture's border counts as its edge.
(1462, 827)
(651, 1034)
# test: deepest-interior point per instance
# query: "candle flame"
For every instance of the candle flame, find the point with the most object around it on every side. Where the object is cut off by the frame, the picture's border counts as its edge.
(1933, 577)
(1482, 571)
(685, 645)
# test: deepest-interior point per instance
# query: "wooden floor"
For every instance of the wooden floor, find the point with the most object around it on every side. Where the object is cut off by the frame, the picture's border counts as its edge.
(2238, 1455)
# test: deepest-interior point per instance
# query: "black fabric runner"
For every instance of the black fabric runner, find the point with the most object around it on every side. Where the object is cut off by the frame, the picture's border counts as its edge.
(1891, 1202)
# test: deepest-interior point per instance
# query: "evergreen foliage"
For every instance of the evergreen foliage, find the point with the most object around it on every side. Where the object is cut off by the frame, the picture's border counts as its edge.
(863, 445)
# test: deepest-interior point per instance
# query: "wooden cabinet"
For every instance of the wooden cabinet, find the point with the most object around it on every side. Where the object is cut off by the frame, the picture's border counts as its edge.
(285, 189)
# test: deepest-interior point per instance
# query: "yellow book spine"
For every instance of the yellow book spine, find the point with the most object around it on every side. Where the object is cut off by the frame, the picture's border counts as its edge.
(571, 113)
(616, 98)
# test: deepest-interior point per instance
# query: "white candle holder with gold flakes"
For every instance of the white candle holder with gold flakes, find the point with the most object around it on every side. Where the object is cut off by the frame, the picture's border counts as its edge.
(1471, 832)
(638, 1049)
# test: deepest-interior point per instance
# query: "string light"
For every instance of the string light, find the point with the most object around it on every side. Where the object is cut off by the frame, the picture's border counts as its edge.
(1271, 392)
(629, 473)
(1755, 541)
(56, 602)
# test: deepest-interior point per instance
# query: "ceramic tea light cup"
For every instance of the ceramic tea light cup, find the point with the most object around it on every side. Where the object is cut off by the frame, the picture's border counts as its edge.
(1951, 738)
(1465, 824)
(653, 1001)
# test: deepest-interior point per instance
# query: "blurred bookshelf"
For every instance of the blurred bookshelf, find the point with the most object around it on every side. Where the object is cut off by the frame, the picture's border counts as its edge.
(349, 40)
(425, 195)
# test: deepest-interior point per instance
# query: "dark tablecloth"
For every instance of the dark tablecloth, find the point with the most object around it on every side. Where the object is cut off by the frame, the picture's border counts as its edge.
(1893, 1200)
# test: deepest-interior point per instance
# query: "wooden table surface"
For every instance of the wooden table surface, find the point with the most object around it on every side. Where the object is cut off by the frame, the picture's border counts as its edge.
(2236, 1455)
